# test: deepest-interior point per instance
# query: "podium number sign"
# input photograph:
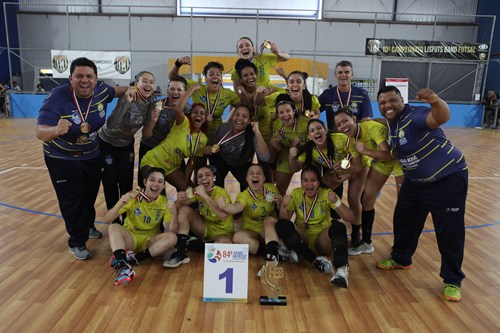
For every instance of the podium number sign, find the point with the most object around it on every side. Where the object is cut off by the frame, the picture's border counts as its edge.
(226, 273)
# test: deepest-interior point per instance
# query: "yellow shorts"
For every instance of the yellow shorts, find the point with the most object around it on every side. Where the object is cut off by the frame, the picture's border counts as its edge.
(213, 229)
(141, 239)
(386, 168)
(313, 232)
(282, 161)
(253, 225)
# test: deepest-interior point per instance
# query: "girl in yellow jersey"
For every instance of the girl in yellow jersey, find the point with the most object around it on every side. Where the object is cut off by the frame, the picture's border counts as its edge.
(290, 130)
(259, 204)
(313, 231)
(185, 140)
(371, 142)
(209, 223)
(213, 95)
(338, 158)
(146, 210)
(263, 61)
(307, 104)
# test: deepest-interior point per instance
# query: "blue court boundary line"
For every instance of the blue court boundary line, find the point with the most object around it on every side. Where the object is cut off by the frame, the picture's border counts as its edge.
(374, 234)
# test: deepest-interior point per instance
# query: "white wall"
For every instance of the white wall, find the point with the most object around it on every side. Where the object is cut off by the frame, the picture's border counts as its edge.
(153, 40)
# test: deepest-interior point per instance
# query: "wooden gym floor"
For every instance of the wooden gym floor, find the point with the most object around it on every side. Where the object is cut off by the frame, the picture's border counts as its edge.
(44, 289)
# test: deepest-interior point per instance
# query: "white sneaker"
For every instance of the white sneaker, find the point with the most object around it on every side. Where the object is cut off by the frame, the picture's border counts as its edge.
(176, 260)
(340, 276)
(361, 248)
(323, 265)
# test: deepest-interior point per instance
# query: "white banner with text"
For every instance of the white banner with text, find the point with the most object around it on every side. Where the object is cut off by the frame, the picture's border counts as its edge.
(110, 65)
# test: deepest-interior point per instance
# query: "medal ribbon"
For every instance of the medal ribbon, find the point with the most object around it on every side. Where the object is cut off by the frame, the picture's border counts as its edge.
(328, 162)
(348, 97)
(307, 213)
(255, 196)
(393, 138)
(211, 110)
(82, 116)
(141, 195)
(282, 129)
(224, 140)
(146, 100)
(348, 156)
(195, 145)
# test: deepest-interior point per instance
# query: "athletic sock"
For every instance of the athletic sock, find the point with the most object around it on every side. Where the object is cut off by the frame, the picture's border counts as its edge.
(355, 234)
(182, 243)
(367, 216)
(272, 250)
(143, 255)
(120, 257)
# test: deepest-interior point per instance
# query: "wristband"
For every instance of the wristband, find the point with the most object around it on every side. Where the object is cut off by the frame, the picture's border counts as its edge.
(178, 64)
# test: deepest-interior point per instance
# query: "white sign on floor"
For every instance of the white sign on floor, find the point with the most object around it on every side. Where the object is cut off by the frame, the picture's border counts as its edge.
(226, 273)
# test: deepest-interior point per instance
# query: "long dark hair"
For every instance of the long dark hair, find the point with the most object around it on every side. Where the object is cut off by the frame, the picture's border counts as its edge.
(203, 127)
(247, 147)
(314, 169)
(286, 99)
(306, 95)
(309, 145)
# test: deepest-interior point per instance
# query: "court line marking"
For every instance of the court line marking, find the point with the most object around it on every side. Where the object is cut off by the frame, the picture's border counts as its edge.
(374, 234)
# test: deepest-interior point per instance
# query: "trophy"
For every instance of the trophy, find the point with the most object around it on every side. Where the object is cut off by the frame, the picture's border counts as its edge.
(270, 276)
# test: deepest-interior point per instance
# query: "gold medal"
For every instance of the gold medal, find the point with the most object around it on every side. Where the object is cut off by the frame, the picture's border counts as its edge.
(134, 89)
(189, 193)
(307, 113)
(133, 194)
(159, 105)
(84, 127)
(215, 149)
(266, 44)
(345, 164)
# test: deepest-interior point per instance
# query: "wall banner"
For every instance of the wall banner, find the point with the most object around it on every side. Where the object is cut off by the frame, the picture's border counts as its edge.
(401, 84)
(426, 49)
(110, 65)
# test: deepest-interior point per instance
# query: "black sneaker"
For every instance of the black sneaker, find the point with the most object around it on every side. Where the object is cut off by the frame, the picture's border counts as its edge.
(194, 244)
(80, 252)
(94, 233)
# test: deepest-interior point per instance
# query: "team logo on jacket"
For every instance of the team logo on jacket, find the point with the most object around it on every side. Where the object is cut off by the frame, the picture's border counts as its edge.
(60, 63)
(122, 64)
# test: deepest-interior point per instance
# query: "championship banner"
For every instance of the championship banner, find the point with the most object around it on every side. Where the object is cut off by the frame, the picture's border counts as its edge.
(401, 84)
(426, 49)
(110, 65)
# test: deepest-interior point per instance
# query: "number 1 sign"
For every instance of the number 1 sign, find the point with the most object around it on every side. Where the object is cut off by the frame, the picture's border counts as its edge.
(226, 273)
